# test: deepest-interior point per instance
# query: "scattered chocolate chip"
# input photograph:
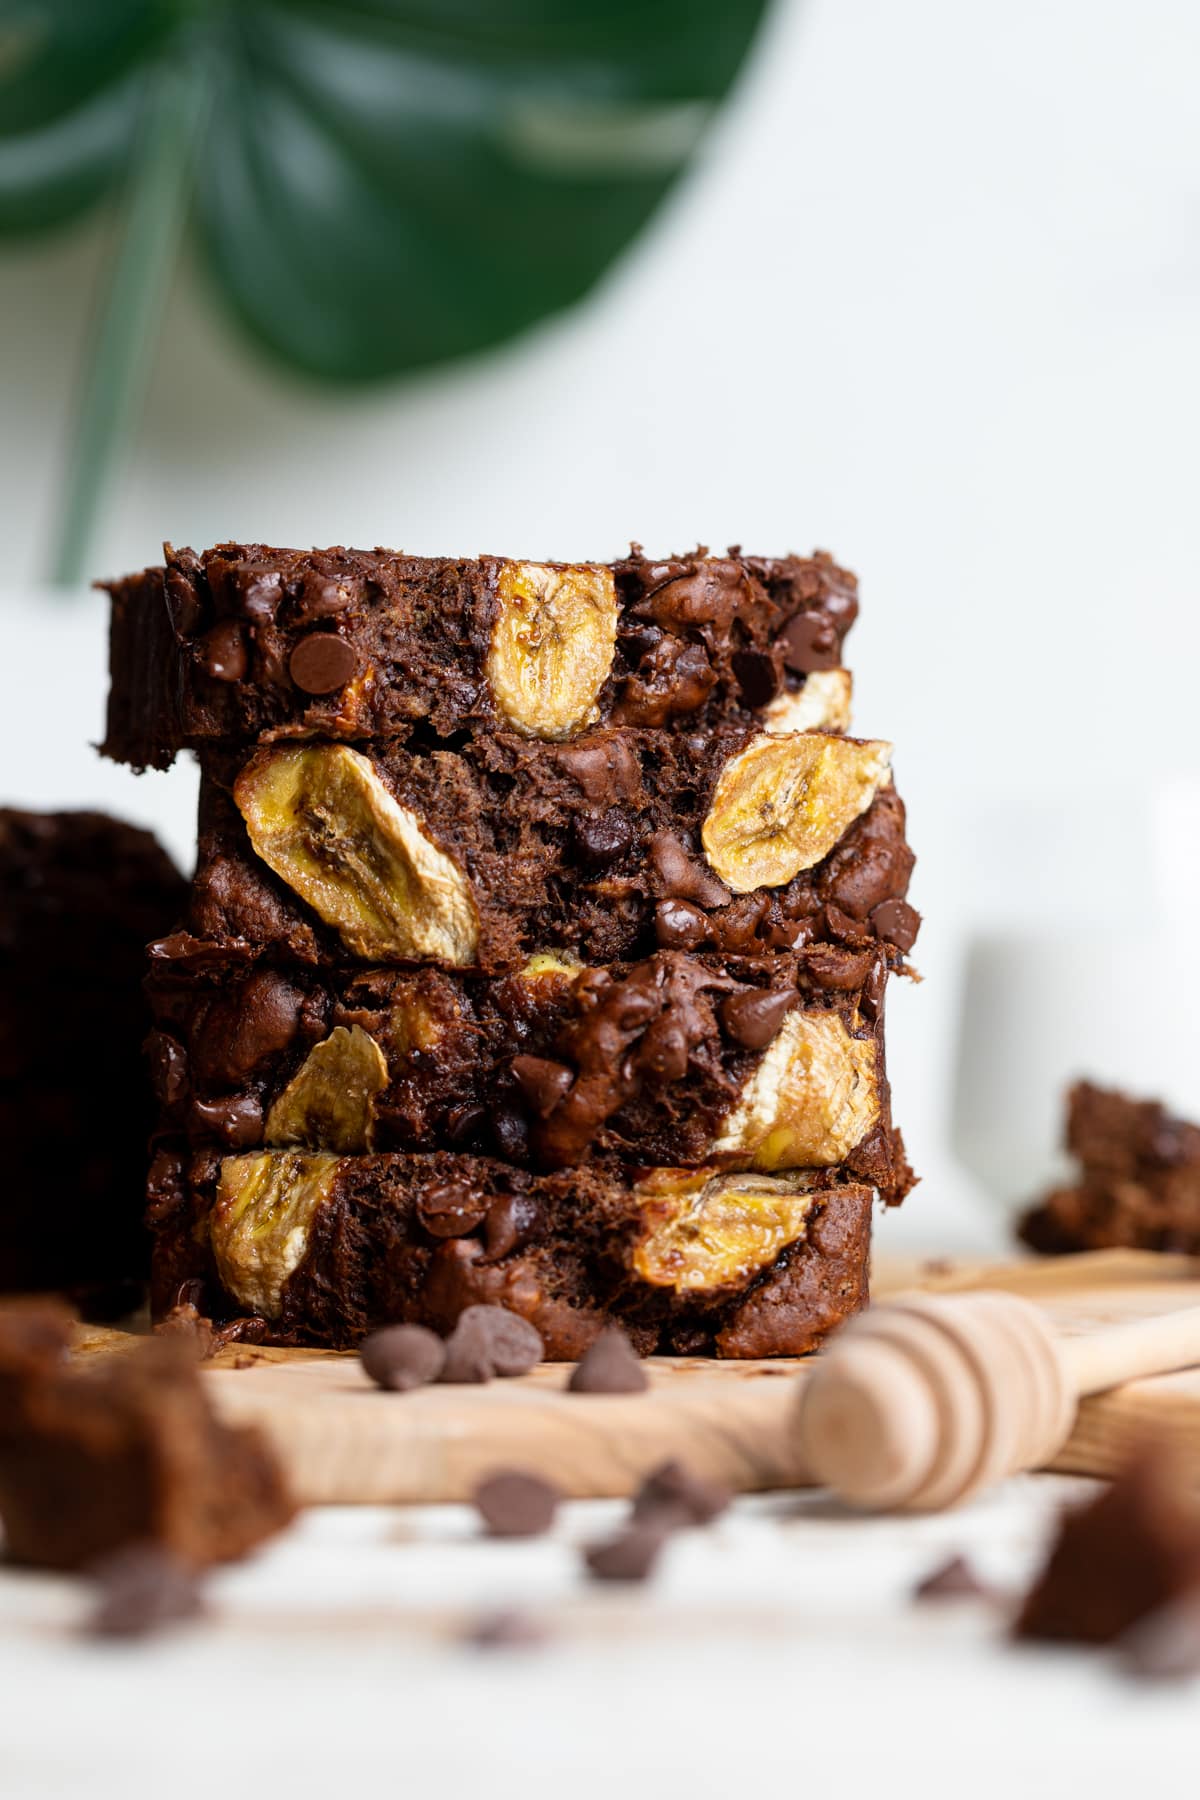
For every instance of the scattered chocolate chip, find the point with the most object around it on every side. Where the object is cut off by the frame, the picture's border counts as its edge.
(450, 1209)
(630, 1556)
(1134, 1550)
(1166, 1645)
(753, 1018)
(142, 1588)
(609, 1365)
(678, 926)
(673, 1495)
(600, 842)
(952, 1580)
(810, 642)
(223, 651)
(187, 1321)
(897, 923)
(542, 1082)
(514, 1503)
(322, 662)
(507, 1629)
(403, 1357)
(237, 1119)
(490, 1340)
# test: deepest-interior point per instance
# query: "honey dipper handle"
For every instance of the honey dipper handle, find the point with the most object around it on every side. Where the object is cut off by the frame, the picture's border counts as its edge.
(1125, 1352)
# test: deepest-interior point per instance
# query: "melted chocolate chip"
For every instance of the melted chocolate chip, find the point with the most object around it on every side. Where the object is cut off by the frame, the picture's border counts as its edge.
(515, 1503)
(511, 1134)
(403, 1357)
(322, 662)
(542, 1082)
(223, 651)
(809, 643)
(510, 1220)
(752, 1019)
(897, 923)
(259, 599)
(663, 1052)
(450, 1209)
(678, 877)
(168, 1068)
(678, 926)
(757, 675)
(236, 1119)
(600, 842)
(256, 1021)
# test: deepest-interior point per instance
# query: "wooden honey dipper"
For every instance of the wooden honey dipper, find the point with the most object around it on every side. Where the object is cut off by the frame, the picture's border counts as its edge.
(930, 1397)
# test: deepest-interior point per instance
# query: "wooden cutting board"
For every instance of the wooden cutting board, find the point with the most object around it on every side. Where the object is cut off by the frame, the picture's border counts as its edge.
(342, 1440)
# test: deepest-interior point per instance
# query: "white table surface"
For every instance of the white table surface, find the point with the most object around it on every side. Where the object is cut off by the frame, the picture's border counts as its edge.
(777, 1652)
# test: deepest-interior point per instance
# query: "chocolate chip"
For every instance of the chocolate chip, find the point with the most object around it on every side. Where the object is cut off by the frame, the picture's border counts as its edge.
(678, 926)
(168, 1068)
(953, 1580)
(450, 1209)
(810, 642)
(752, 1019)
(897, 922)
(679, 877)
(322, 662)
(510, 1219)
(185, 1320)
(842, 971)
(236, 1119)
(320, 598)
(223, 651)
(663, 1052)
(260, 597)
(141, 1588)
(254, 1022)
(542, 1082)
(600, 842)
(514, 1503)
(841, 926)
(508, 1629)
(403, 1357)
(630, 1556)
(673, 1493)
(490, 1340)
(1165, 1646)
(510, 1130)
(463, 1122)
(757, 676)
(609, 1365)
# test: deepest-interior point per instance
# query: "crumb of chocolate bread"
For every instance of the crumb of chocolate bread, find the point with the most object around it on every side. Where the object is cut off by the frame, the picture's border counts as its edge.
(1138, 1183)
(1121, 1557)
(82, 894)
(245, 641)
(122, 1450)
(502, 816)
(326, 1249)
(654, 1060)
(515, 1503)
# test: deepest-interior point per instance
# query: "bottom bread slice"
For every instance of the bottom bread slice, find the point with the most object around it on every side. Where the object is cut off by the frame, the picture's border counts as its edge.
(324, 1248)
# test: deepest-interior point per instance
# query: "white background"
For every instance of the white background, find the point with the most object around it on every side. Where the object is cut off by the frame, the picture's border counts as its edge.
(932, 301)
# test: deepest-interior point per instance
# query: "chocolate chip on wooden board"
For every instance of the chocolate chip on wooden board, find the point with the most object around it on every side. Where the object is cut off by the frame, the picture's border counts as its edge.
(403, 1357)
(140, 1589)
(490, 1340)
(508, 1629)
(514, 1503)
(609, 1365)
(1166, 1645)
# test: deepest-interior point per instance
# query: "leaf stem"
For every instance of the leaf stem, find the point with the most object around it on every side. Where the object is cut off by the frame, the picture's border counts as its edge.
(132, 297)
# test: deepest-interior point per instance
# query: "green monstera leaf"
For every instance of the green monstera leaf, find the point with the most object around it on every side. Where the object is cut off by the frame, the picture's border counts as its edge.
(376, 185)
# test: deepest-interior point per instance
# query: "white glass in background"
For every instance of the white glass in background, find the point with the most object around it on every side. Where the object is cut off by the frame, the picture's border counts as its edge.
(1108, 989)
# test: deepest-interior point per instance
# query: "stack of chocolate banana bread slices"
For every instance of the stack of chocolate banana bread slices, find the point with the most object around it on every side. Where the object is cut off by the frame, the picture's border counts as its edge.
(536, 951)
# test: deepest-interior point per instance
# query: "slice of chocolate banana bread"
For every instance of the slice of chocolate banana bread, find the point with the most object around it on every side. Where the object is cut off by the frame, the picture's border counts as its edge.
(771, 1063)
(245, 643)
(326, 1248)
(608, 848)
